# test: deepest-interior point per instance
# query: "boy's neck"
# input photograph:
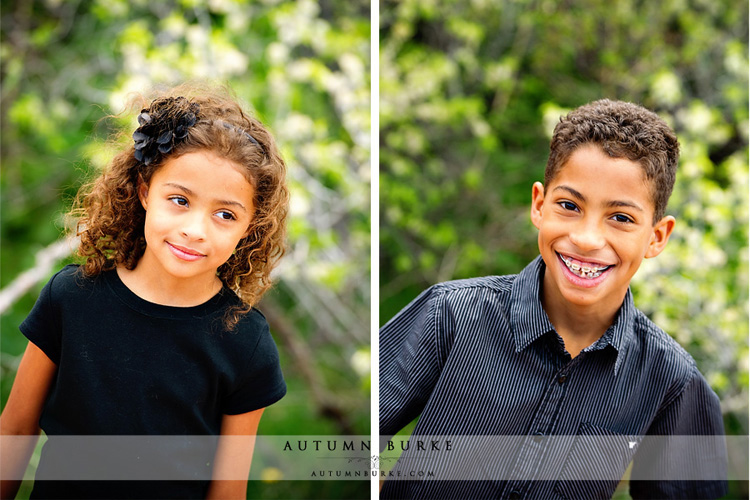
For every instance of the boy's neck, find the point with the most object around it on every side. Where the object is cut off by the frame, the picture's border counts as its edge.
(578, 326)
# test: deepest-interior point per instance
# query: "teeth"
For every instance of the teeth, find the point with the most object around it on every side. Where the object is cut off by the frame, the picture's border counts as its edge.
(583, 271)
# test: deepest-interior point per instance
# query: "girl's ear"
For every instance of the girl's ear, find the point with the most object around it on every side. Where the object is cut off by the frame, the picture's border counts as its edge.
(142, 192)
(253, 215)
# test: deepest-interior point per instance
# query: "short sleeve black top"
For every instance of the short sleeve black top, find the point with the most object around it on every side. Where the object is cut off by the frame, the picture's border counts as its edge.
(127, 366)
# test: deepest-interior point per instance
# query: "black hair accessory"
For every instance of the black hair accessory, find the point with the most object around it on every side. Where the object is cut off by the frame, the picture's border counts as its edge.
(163, 125)
(243, 132)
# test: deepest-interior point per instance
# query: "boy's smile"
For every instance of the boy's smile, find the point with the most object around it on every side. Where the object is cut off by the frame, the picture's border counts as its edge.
(585, 273)
(595, 223)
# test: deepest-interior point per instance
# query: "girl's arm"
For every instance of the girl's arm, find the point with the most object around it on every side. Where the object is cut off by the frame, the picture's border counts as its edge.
(233, 455)
(21, 416)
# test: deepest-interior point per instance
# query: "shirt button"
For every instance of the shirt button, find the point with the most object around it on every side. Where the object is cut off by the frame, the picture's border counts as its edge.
(514, 495)
(561, 379)
(538, 436)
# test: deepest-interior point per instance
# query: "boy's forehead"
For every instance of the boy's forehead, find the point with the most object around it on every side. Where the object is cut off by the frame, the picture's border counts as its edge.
(597, 162)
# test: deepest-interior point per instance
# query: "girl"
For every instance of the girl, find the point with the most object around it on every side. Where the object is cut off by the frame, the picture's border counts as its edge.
(155, 333)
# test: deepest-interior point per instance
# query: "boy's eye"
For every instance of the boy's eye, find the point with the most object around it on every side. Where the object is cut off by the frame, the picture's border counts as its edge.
(622, 218)
(568, 205)
(225, 215)
(179, 200)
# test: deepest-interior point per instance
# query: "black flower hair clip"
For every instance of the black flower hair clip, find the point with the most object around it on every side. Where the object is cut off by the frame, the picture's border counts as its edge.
(162, 126)
(247, 135)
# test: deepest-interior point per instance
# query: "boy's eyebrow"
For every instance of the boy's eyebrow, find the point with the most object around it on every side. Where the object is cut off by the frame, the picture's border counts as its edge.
(190, 192)
(572, 191)
(613, 203)
(629, 204)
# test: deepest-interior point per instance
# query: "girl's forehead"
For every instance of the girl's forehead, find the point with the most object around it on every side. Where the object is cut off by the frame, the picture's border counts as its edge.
(202, 161)
(205, 172)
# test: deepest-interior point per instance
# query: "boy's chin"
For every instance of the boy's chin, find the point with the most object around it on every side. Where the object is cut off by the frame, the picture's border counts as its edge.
(602, 297)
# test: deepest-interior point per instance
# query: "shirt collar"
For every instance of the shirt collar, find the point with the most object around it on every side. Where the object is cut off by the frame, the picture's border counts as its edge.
(529, 320)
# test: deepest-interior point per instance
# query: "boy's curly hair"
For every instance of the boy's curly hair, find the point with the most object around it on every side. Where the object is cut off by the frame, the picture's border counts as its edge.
(111, 217)
(622, 130)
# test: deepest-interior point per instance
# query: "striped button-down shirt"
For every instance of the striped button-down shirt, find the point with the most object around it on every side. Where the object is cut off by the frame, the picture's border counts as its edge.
(479, 357)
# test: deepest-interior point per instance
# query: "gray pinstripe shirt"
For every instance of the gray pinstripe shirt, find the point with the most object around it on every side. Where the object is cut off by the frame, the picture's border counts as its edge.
(479, 357)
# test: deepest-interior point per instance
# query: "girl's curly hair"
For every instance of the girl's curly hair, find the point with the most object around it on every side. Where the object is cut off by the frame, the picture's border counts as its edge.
(110, 215)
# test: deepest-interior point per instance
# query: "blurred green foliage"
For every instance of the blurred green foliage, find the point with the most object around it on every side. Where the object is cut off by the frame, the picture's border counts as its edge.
(304, 68)
(469, 95)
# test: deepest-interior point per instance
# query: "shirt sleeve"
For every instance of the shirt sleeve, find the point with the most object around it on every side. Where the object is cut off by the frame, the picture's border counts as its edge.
(412, 353)
(42, 326)
(684, 453)
(262, 382)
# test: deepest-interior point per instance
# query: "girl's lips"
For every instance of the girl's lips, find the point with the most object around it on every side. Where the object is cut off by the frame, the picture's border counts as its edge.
(185, 253)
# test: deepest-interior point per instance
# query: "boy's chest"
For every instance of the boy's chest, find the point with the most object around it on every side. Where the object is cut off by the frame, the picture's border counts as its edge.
(489, 388)
(535, 413)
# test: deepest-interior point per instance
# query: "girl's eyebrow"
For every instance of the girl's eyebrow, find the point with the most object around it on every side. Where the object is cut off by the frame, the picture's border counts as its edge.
(190, 192)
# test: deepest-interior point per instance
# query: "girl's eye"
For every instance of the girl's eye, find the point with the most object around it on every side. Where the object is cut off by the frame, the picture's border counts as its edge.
(225, 215)
(622, 218)
(179, 200)
(568, 205)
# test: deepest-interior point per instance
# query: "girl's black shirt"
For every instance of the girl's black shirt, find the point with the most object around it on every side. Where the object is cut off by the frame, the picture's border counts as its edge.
(127, 366)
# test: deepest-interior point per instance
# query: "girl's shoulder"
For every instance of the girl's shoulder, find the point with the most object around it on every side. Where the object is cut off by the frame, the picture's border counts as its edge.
(67, 272)
(252, 322)
(253, 332)
(71, 278)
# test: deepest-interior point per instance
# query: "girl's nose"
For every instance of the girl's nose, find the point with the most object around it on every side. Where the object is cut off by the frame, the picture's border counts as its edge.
(194, 227)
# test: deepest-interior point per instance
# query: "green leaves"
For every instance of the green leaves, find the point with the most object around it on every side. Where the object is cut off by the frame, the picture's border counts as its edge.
(470, 93)
(305, 72)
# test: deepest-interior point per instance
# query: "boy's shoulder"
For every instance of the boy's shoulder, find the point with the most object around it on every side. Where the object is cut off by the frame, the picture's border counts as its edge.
(647, 330)
(472, 297)
(499, 284)
(657, 347)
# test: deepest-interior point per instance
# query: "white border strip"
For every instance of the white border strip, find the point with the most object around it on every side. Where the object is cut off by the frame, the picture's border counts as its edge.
(374, 231)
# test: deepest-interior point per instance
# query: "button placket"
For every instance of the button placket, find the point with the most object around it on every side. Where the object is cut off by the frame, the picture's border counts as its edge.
(533, 446)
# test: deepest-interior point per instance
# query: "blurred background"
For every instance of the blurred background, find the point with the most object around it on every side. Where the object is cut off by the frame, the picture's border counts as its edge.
(469, 95)
(303, 67)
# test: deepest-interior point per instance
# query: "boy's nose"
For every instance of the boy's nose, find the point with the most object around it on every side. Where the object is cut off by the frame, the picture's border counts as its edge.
(587, 236)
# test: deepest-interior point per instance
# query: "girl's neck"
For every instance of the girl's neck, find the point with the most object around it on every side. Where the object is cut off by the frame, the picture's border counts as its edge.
(169, 291)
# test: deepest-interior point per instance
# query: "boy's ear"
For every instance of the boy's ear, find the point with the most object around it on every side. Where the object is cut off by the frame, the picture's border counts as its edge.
(659, 238)
(142, 191)
(537, 202)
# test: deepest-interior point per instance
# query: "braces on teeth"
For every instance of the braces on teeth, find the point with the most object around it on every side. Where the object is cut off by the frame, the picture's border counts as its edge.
(583, 271)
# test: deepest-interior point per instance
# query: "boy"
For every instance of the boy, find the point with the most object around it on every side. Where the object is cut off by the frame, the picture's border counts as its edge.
(559, 350)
